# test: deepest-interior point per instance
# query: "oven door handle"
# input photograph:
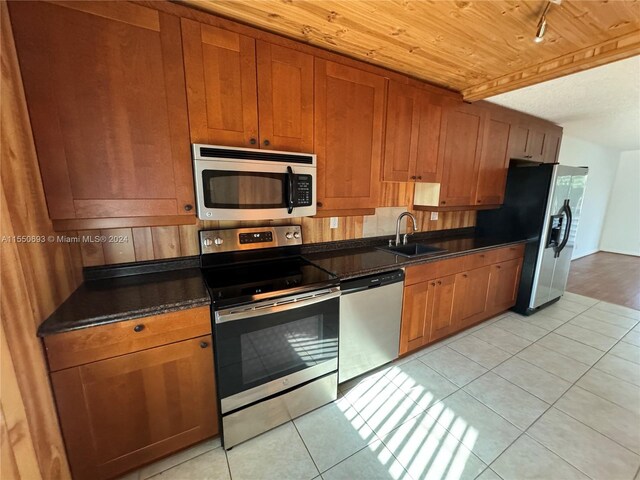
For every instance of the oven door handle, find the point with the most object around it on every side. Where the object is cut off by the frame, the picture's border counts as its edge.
(299, 301)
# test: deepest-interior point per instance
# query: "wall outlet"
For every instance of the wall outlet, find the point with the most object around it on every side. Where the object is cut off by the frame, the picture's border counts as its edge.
(434, 215)
(333, 223)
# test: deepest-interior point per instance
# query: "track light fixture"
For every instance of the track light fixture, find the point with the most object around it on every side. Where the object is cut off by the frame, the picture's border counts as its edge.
(542, 24)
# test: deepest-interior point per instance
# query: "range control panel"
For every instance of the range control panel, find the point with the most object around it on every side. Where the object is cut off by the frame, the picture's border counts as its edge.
(237, 239)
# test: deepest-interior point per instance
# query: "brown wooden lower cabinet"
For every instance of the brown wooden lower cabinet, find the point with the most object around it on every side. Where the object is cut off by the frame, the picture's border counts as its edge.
(119, 413)
(503, 285)
(471, 296)
(435, 308)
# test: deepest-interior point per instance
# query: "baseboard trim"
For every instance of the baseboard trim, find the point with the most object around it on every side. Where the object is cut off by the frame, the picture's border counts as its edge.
(592, 252)
(620, 252)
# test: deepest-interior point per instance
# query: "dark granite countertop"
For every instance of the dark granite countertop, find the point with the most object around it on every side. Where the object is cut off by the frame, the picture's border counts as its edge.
(124, 292)
(370, 259)
(128, 292)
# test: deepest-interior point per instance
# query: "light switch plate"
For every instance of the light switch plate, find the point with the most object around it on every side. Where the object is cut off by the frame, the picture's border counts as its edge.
(434, 215)
(333, 223)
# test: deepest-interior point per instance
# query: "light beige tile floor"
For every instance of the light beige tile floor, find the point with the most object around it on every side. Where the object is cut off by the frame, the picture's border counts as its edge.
(555, 396)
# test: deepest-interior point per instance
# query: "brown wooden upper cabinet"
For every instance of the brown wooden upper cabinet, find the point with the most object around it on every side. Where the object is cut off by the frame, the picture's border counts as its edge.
(246, 92)
(494, 160)
(349, 118)
(535, 142)
(105, 90)
(461, 144)
(412, 135)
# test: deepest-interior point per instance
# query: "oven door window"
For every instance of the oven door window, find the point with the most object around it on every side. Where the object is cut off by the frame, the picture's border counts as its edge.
(257, 350)
(239, 190)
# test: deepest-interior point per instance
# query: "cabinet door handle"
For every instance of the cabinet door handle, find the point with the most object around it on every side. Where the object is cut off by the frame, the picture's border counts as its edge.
(479, 201)
(482, 255)
(188, 207)
(443, 202)
(498, 267)
(439, 282)
(138, 328)
(319, 204)
(413, 177)
(465, 275)
(419, 177)
(253, 141)
(204, 344)
(433, 284)
(266, 143)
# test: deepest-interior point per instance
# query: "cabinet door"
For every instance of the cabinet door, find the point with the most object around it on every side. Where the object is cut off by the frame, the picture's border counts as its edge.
(105, 88)
(494, 162)
(535, 144)
(285, 98)
(470, 299)
(551, 147)
(120, 413)
(518, 141)
(416, 316)
(503, 285)
(220, 71)
(349, 115)
(443, 321)
(401, 133)
(460, 146)
(412, 135)
(428, 167)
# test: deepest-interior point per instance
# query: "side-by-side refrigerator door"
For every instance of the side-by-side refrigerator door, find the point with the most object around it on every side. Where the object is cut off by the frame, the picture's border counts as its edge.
(558, 238)
(564, 251)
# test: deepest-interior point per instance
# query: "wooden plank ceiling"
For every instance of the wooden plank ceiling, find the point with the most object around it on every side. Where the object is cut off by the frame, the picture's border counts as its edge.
(480, 48)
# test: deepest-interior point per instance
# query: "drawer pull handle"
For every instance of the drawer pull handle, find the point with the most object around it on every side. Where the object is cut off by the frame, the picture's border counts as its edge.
(465, 275)
(433, 284)
(498, 267)
(204, 344)
(138, 328)
(439, 282)
(482, 256)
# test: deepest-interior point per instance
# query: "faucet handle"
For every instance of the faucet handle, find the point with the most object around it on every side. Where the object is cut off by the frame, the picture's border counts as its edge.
(405, 238)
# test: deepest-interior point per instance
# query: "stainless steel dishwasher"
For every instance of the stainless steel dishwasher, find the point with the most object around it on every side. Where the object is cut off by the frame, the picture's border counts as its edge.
(370, 312)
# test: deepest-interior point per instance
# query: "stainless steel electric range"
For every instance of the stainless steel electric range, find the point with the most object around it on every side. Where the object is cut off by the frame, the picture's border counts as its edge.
(275, 328)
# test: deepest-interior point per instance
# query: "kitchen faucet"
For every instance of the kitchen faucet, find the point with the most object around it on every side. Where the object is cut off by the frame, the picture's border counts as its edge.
(415, 227)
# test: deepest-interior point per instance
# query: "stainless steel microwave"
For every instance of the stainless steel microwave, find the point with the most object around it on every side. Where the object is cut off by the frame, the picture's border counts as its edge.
(250, 184)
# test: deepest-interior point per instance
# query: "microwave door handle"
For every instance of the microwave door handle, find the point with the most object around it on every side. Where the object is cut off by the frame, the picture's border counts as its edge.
(290, 190)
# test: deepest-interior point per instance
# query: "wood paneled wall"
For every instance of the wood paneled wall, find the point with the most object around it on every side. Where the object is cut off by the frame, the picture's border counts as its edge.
(150, 243)
(35, 279)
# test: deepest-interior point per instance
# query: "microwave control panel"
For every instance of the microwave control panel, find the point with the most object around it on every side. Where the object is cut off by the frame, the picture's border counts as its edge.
(303, 192)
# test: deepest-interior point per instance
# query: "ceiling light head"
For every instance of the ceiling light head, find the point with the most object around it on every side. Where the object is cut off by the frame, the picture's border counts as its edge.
(542, 28)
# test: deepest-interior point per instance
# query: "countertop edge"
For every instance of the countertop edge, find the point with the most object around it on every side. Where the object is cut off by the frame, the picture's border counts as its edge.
(124, 316)
(410, 262)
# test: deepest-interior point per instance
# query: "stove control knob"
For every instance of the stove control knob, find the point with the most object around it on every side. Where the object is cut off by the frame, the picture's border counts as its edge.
(296, 235)
(289, 235)
(207, 242)
(218, 241)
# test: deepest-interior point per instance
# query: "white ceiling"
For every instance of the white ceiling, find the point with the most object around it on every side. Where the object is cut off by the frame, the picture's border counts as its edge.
(601, 105)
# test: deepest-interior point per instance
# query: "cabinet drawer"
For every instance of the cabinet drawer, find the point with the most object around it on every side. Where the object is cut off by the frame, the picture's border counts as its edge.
(97, 343)
(478, 260)
(508, 253)
(428, 271)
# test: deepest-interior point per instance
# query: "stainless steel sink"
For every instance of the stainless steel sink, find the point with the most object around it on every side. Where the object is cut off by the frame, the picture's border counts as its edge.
(413, 250)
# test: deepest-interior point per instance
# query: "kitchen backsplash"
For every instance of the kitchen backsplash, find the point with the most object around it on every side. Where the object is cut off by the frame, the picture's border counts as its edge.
(152, 243)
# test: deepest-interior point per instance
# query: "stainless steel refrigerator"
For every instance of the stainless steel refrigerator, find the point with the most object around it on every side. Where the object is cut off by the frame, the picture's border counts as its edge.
(543, 203)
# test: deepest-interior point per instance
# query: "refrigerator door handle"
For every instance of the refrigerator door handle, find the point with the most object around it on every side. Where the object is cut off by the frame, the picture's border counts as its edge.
(567, 210)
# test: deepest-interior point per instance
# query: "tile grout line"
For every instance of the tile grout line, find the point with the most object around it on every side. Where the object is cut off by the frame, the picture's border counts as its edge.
(588, 426)
(306, 448)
